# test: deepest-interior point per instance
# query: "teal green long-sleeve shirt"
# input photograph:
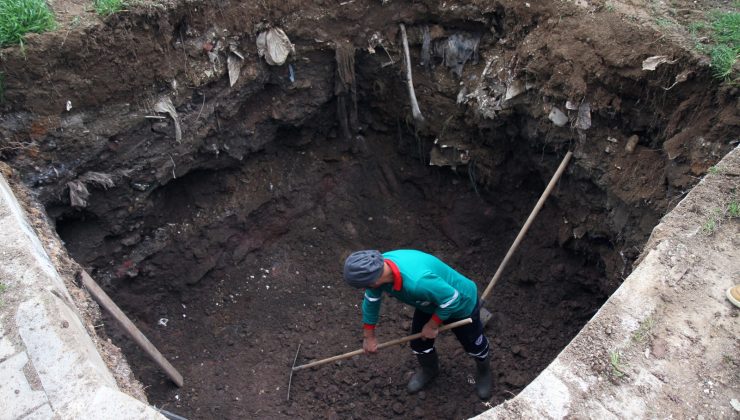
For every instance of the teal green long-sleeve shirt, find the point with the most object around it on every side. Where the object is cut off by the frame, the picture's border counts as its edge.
(427, 283)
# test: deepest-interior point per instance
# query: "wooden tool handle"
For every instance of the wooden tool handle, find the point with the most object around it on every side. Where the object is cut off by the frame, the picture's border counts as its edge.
(102, 298)
(381, 346)
(528, 223)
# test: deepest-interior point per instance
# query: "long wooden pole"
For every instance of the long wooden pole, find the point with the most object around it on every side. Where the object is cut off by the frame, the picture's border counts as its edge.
(415, 111)
(527, 224)
(381, 346)
(102, 298)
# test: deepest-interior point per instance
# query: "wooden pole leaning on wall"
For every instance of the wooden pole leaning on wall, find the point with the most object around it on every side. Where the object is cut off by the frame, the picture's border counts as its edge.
(131, 330)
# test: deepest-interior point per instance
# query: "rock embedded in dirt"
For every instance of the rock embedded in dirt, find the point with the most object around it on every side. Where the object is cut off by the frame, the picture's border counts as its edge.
(558, 117)
(131, 240)
(515, 378)
(659, 348)
(631, 143)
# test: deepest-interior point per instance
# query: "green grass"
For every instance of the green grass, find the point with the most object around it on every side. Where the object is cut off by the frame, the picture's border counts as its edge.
(644, 331)
(663, 22)
(710, 225)
(19, 17)
(697, 27)
(615, 359)
(719, 37)
(108, 7)
(730, 210)
(725, 29)
(723, 58)
(3, 288)
(733, 208)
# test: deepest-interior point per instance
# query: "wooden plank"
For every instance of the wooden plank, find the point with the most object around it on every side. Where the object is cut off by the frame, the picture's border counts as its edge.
(131, 330)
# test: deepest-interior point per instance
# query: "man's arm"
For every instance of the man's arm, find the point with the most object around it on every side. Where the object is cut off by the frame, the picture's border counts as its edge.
(370, 313)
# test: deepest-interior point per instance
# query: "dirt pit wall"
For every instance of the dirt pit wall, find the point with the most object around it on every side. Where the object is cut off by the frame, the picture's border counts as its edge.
(225, 241)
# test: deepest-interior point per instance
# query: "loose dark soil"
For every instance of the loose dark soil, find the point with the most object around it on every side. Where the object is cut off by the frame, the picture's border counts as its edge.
(226, 248)
(244, 289)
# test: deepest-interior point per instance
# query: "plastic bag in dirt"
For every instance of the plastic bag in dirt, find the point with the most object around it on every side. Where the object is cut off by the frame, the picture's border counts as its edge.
(78, 193)
(457, 50)
(275, 46)
(166, 106)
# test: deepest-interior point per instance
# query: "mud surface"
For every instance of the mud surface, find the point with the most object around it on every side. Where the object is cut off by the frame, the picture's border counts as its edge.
(226, 245)
(240, 292)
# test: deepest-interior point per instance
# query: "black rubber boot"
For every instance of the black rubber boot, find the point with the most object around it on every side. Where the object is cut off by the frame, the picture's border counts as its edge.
(428, 370)
(483, 378)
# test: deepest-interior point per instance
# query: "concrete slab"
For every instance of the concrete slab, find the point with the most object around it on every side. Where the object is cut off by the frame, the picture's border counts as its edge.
(49, 365)
(42, 413)
(15, 390)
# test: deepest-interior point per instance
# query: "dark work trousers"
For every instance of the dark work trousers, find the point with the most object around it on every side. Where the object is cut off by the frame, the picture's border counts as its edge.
(470, 335)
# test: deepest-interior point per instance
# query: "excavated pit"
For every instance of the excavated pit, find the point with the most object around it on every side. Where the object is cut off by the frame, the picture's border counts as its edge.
(242, 264)
(249, 260)
(226, 247)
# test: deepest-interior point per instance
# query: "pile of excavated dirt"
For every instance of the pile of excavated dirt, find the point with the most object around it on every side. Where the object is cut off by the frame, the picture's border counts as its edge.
(223, 193)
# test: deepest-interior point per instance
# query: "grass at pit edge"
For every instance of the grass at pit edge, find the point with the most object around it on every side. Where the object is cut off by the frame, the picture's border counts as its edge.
(19, 17)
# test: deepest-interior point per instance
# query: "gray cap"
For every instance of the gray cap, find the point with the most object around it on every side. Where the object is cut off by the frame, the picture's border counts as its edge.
(363, 268)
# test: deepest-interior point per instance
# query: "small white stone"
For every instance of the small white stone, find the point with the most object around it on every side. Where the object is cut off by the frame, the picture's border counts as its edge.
(735, 404)
(557, 117)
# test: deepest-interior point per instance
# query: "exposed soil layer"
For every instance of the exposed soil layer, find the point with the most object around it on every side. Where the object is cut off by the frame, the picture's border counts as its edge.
(241, 290)
(226, 245)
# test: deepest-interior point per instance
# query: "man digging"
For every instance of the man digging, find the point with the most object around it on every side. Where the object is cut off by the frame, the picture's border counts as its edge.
(440, 295)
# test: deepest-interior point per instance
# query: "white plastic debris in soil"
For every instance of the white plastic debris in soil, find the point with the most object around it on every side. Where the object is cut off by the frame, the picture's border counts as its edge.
(234, 65)
(651, 63)
(166, 106)
(275, 46)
